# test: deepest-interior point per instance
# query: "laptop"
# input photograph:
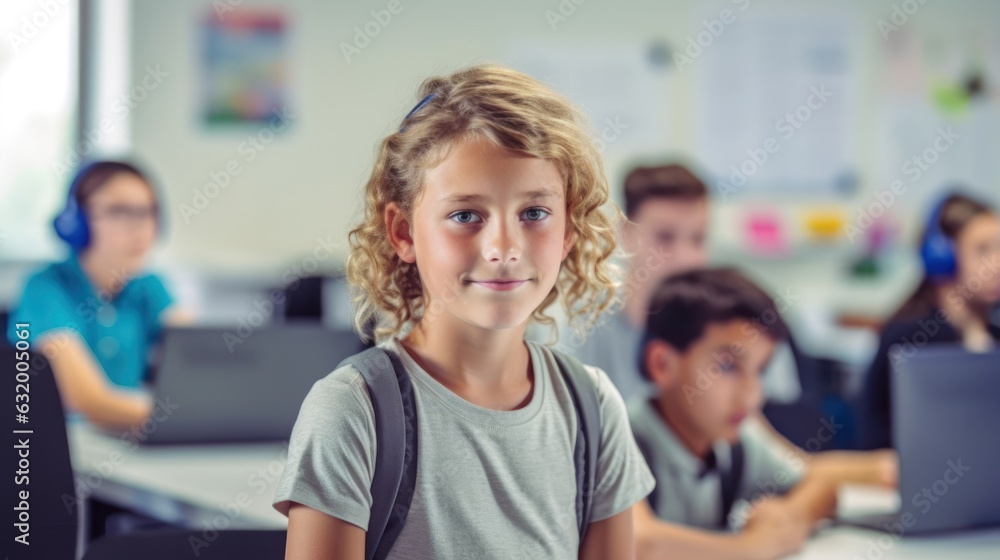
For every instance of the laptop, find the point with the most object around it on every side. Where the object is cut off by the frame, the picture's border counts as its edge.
(214, 385)
(946, 413)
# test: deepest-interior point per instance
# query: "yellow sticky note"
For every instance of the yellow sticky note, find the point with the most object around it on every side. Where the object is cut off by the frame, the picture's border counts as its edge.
(823, 224)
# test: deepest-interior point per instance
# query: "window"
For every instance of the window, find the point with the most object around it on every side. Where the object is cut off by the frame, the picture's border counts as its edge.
(38, 109)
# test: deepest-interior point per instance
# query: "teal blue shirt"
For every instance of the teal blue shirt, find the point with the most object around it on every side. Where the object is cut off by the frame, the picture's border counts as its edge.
(118, 330)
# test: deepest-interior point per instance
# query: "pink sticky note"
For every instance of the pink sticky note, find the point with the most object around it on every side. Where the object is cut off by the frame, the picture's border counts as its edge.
(765, 234)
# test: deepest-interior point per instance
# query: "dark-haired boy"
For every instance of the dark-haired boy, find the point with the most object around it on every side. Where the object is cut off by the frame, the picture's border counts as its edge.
(705, 348)
(667, 207)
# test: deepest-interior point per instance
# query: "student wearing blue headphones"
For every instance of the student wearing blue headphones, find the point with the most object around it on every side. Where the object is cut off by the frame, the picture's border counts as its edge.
(954, 301)
(94, 315)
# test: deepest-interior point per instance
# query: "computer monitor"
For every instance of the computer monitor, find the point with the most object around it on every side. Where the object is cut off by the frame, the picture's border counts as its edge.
(946, 413)
(217, 385)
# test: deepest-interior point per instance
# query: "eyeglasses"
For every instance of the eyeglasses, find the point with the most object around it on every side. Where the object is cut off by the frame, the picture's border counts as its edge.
(122, 214)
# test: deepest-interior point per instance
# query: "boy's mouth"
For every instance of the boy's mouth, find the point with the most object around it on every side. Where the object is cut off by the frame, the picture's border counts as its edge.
(500, 284)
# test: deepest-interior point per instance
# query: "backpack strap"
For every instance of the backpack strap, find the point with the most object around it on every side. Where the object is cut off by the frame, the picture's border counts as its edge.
(588, 434)
(394, 480)
(731, 481)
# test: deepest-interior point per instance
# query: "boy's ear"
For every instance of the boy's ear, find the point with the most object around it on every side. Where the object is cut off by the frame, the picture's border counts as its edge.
(662, 364)
(400, 233)
(568, 241)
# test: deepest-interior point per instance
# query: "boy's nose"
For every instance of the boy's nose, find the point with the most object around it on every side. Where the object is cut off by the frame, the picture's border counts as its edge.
(753, 392)
(688, 256)
(502, 243)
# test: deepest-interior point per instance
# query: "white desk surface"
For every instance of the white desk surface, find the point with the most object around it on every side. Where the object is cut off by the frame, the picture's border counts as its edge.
(202, 477)
(849, 543)
(193, 483)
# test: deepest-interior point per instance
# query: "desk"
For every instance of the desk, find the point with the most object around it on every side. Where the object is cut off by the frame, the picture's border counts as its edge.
(233, 485)
(844, 543)
(196, 486)
(849, 543)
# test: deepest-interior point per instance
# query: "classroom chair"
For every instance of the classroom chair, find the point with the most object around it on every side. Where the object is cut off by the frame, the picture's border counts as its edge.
(804, 422)
(55, 518)
(178, 545)
(303, 299)
(52, 507)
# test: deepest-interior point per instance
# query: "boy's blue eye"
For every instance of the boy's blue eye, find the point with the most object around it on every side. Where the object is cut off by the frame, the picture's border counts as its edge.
(464, 217)
(535, 214)
(468, 217)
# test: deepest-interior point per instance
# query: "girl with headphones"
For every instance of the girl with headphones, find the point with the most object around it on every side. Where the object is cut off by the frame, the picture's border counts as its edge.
(955, 301)
(94, 316)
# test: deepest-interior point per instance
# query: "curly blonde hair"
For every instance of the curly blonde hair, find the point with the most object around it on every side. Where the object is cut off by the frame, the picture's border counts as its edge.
(516, 112)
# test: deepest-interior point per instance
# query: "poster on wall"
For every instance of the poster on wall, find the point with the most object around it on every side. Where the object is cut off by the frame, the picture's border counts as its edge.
(621, 88)
(244, 59)
(775, 102)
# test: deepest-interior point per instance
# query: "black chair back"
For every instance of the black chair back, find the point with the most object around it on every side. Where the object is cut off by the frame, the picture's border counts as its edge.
(41, 456)
(200, 545)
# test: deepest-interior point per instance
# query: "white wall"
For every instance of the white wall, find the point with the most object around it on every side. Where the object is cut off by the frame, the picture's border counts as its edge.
(306, 184)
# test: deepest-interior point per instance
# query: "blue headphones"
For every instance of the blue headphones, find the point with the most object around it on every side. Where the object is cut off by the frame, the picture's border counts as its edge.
(937, 251)
(71, 223)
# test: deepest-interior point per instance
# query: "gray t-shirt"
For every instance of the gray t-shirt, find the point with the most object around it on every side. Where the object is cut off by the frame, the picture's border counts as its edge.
(490, 484)
(690, 494)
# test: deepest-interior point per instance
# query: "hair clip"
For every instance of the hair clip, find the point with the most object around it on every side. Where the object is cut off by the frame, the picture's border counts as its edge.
(416, 108)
